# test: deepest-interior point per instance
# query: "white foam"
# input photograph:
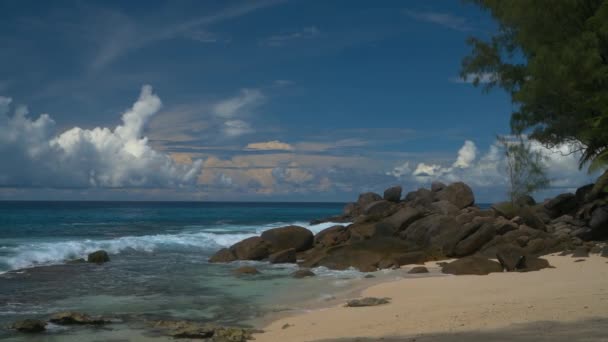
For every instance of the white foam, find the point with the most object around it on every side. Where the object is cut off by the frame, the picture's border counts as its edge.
(48, 253)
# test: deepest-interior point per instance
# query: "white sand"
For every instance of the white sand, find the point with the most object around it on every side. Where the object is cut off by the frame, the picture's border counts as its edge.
(571, 291)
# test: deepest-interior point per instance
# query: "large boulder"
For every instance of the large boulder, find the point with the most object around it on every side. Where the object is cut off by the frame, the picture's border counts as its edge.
(459, 194)
(393, 194)
(472, 265)
(421, 197)
(367, 198)
(29, 326)
(476, 240)
(379, 208)
(437, 186)
(223, 255)
(246, 270)
(582, 192)
(287, 256)
(429, 229)
(303, 273)
(445, 207)
(599, 223)
(363, 231)
(561, 204)
(98, 257)
(253, 248)
(332, 236)
(284, 238)
(404, 217)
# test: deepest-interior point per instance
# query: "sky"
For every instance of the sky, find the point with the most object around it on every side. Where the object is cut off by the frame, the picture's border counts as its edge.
(248, 101)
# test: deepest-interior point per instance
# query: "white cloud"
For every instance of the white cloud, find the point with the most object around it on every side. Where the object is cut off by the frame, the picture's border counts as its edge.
(235, 128)
(244, 102)
(444, 19)
(273, 145)
(305, 33)
(33, 156)
(489, 171)
(5, 103)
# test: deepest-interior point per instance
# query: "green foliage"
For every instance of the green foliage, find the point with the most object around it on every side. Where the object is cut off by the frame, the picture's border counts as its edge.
(551, 56)
(525, 168)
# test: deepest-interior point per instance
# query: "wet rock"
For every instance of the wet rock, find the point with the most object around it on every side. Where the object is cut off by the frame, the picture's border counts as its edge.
(223, 255)
(76, 318)
(303, 273)
(393, 194)
(458, 194)
(472, 265)
(418, 269)
(76, 261)
(246, 270)
(332, 236)
(98, 257)
(253, 248)
(367, 301)
(287, 256)
(298, 238)
(29, 326)
(232, 334)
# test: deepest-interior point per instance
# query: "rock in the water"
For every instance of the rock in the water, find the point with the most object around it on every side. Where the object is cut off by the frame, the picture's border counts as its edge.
(332, 236)
(298, 238)
(303, 273)
(223, 255)
(367, 301)
(367, 198)
(581, 252)
(472, 265)
(246, 270)
(437, 186)
(253, 248)
(418, 269)
(29, 326)
(393, 194)
(287, 256)
(458, 194)
(98, 257)
(76, 318)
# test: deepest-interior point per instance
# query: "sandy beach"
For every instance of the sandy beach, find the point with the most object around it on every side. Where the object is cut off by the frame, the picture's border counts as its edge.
(573, 293)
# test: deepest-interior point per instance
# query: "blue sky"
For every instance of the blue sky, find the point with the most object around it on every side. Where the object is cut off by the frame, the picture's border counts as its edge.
(251, 100)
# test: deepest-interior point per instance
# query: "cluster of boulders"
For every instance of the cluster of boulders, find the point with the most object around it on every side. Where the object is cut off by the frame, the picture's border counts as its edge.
(435, 224)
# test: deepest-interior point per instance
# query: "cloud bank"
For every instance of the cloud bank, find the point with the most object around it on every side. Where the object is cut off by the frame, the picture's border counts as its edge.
(34, 156)
(489, 170)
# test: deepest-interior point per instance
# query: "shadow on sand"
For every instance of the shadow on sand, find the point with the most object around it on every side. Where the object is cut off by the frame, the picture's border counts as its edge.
(591, 330)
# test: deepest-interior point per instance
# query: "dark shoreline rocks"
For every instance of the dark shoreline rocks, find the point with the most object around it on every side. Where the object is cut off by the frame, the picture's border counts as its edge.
(436, 224)
(98, 257)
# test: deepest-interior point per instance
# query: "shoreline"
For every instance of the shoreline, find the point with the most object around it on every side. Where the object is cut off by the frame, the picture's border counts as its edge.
(570, 292)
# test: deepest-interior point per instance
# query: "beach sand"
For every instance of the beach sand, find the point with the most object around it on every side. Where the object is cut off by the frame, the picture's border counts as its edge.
(555, 303)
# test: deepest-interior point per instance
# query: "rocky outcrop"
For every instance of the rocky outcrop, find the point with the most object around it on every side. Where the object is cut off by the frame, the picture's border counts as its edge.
(223, 255)
(472, 265)
(332, 236)
(303, 273)
(393, 194)
(76, 318)
(283, 238)
(367, 301)
(29, 326)
(459, 194)
(98, 257)
(253, 248)
(208, 332)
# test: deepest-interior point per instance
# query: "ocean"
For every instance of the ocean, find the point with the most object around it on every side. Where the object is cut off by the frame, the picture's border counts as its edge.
(158, 268)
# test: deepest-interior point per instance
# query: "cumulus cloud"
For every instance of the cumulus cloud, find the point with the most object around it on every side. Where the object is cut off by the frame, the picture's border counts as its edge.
(35, 156)
(489, 170)
(273, 145)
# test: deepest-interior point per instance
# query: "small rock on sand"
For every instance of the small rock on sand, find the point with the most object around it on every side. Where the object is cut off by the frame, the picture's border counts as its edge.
(367, 301)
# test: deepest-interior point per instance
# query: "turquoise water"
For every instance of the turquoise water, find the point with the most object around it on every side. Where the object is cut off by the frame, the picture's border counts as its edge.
(158, 267)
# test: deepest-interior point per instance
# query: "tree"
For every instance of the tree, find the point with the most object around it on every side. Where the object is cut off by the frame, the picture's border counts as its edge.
(525, 168)
(552, 58)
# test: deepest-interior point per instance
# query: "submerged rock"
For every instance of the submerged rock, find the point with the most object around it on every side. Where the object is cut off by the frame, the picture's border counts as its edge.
(29, 326)
(246, 270)
(303, 273)
(76, 318)
(98, 257)
(472, 265)
(367, 301)
(223, 255)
